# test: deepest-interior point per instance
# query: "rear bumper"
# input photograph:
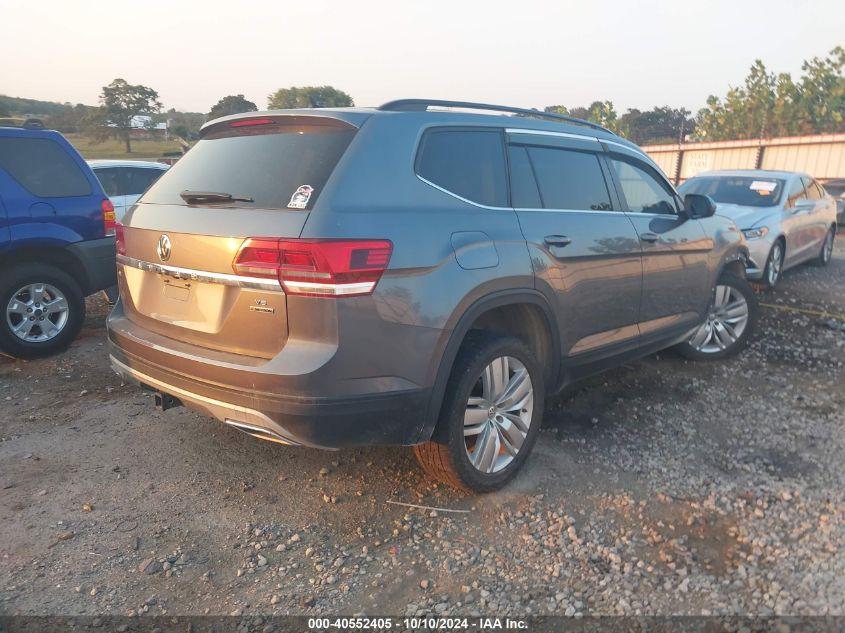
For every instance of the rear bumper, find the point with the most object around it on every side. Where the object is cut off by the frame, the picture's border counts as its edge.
(97, 258)
(330, 422)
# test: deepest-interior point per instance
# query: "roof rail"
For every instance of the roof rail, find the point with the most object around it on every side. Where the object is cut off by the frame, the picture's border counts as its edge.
(421, 105)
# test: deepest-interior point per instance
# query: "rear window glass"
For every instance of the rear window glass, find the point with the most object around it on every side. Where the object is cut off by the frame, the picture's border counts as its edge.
(749, 191)
(468, 163)
(43, 167)
(279, 166)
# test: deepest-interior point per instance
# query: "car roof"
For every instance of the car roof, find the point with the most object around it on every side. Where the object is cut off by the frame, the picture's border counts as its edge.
(145, 164)
(357, 116)
(763, 173)
(20, 131)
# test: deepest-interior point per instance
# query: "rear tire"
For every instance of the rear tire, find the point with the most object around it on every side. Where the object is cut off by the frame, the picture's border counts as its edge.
(41, 310)
(490, 417)
(827, 249)
(731, 320)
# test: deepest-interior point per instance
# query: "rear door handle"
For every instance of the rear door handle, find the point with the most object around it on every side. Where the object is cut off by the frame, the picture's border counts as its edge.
(557, 240)
(649, 237)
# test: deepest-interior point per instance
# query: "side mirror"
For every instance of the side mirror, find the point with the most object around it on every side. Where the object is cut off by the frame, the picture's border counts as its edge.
(804, 204)
(698, 206)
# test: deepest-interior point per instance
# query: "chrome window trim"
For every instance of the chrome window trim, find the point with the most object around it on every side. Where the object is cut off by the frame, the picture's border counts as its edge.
(582, 137)
(190, 274)
(461, 198)
(577, 136)
(558, 134)
(482, 206)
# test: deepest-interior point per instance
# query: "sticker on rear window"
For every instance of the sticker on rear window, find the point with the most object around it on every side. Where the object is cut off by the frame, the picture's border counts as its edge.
(763, 185)
(300, 197)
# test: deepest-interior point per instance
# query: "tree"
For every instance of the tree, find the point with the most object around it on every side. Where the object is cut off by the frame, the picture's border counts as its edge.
(120, 103)
(775, 105)
(233, 104)
(308, 97)
(601, 112)
(659, 125)
(822, 92)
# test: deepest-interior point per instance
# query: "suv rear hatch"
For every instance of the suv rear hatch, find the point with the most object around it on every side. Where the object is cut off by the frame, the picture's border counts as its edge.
(246, 178)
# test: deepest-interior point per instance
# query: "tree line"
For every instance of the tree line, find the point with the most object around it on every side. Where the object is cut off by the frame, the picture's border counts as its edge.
(766, 104)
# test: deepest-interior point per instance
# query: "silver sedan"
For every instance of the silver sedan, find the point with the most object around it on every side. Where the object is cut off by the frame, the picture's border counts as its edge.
(787, 218)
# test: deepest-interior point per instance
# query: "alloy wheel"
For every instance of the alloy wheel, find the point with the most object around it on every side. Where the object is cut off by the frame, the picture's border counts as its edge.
(37, 312)
(775, 264)
(498, 414)
(725, 323)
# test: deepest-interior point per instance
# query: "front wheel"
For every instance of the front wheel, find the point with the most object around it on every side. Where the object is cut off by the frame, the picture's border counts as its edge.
(730, 321)
(774, 265)
(490, 417)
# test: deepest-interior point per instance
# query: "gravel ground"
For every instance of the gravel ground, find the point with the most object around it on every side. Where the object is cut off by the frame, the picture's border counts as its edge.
(662, 487)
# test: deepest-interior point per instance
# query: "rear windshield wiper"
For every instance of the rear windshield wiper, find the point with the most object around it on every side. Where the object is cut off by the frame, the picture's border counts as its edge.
(199, 197)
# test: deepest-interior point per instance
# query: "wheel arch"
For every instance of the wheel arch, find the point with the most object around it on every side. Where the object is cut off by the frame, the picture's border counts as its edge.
(525, 314)
(57, 256)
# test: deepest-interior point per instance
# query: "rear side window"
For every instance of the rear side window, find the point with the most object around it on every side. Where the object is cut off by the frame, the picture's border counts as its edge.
(43, 167)
(569, 179)
(112, 180)
(279, 165)
(468, 163)
(140, 179)
(524, 192)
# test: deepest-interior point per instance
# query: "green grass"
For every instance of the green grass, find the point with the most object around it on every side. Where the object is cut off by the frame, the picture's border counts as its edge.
(115, 149)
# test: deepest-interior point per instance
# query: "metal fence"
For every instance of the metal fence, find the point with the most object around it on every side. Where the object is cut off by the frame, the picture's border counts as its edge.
(820, 155)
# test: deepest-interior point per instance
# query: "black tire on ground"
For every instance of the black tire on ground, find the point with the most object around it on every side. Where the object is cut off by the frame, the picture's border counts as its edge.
(445, 457)
(770, 262)
(30, 273)
(741, 285)
(825, 255)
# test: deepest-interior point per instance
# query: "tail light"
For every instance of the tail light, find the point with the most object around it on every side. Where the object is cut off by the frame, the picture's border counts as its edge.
(108, 216)
(316, 268)
(119, 238)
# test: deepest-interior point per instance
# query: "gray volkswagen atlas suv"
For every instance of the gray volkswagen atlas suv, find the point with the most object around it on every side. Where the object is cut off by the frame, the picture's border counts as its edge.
(424, 273)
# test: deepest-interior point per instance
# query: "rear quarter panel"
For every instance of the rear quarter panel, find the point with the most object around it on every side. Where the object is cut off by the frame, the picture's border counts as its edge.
(402, 330)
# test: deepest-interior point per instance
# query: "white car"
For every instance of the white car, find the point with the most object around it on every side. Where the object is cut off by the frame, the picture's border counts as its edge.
(787, 218)
(125, 180)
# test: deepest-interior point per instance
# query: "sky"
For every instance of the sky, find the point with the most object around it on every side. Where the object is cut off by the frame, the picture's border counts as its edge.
(527, 53)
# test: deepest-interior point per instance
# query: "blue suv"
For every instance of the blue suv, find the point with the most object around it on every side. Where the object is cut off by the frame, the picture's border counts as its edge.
(56, 241)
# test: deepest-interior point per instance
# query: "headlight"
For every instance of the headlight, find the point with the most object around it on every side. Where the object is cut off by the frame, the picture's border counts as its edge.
(753, 234)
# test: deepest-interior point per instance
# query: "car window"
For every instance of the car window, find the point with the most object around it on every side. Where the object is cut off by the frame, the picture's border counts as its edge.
(43, 167)
(112, 179)
(139, 179)
(524, 192)
(278, 164)
(747, 191)
(643, 192)
(569, 180)
(812, 189)
(795, 192)
(469, 163)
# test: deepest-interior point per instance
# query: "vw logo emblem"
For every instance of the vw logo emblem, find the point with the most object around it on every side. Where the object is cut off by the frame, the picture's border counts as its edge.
(163, 248)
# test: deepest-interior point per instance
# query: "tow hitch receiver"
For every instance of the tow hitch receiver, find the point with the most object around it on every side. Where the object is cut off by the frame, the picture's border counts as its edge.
(165, 401)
